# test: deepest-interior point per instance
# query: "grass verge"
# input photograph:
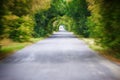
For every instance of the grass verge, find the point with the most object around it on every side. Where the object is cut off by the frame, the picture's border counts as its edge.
(104, 51)
(8, 47)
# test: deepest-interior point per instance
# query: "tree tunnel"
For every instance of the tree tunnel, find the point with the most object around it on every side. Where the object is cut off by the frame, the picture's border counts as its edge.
(21, 20)
(64, 20)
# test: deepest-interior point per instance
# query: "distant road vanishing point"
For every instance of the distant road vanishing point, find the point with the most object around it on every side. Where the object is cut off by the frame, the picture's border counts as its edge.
(59, 57)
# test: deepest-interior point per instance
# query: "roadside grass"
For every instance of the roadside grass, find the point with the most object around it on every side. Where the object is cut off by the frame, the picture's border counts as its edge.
(8, 47)
(104, 51)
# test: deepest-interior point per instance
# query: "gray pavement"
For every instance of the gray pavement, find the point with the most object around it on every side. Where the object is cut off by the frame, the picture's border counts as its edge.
(60, 57)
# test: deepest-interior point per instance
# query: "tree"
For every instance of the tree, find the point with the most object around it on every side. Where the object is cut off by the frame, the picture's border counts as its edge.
(79, 14)
(105, 22)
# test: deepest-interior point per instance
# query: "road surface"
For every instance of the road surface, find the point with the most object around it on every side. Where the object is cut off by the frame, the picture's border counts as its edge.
(60, 57)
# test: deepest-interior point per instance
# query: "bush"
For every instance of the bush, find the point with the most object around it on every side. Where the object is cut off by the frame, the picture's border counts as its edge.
(22, 29)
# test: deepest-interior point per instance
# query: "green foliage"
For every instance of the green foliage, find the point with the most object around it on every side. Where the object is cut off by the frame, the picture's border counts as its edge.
(11, 11)
(22, 19)
(20, 7)
(45, 18)
(22, 29)
(111, 25)
(79, 14)
(16, 18)
(41, 26)
(65, 20)
(60, 6)
(40, 5)
(16, 7)
(104, 22)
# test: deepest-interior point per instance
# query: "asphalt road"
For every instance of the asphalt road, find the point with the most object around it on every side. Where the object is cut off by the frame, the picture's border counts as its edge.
(60, 57)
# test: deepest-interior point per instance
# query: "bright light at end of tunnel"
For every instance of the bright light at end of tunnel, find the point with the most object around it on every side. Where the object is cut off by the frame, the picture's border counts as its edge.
(61, 28)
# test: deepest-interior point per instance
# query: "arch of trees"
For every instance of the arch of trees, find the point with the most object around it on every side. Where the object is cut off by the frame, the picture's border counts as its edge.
(63, 20)
(99, 19)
